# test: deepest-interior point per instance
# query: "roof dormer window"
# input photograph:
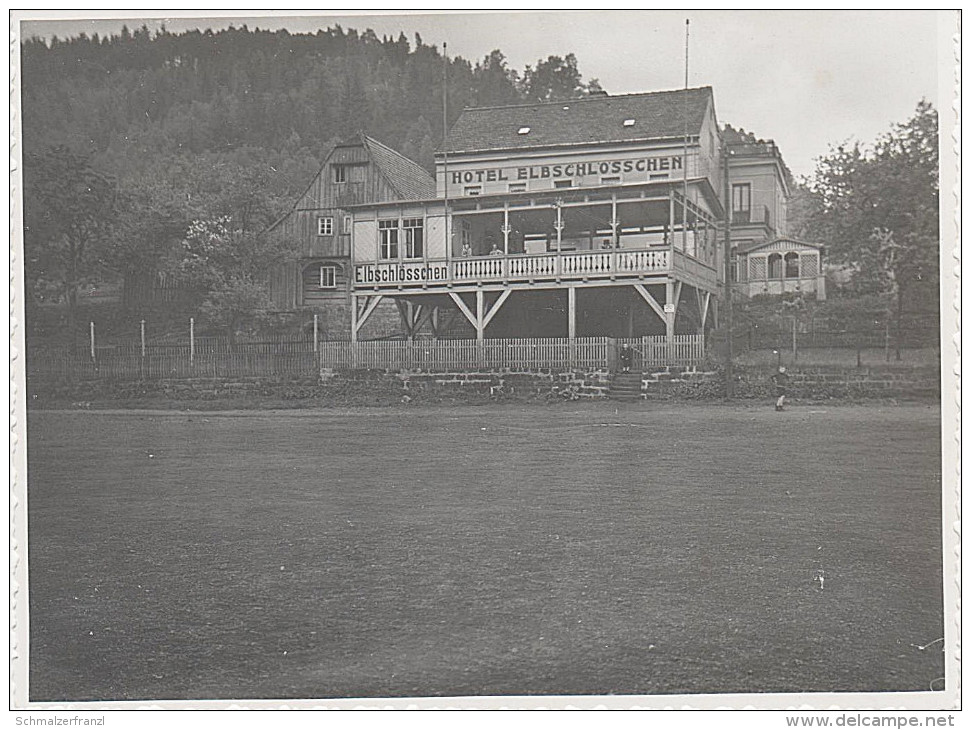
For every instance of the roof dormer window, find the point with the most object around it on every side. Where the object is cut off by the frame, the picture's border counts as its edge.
(629, 122)
(523, 130)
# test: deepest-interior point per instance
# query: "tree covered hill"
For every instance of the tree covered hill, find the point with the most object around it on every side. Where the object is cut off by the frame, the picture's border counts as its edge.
(130, 97)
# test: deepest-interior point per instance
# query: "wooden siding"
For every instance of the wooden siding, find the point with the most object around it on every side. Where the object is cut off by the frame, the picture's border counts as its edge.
(435, 237)
(366, 184)
(365, 239)
(312, 294)
(324, 197)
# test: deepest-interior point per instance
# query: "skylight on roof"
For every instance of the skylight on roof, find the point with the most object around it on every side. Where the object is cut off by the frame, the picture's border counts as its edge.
(523, 130)
(628, 122)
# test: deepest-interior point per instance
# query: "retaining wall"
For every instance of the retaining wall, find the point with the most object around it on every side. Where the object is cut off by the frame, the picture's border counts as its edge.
(376, 387)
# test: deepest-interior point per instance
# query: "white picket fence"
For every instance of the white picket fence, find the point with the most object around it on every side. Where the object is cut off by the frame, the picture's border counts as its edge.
(546, 352)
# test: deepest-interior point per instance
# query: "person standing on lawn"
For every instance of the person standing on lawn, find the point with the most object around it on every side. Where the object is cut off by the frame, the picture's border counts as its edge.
(781, 380)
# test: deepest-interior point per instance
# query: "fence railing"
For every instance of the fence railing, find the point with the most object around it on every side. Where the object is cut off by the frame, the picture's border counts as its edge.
(211, 357)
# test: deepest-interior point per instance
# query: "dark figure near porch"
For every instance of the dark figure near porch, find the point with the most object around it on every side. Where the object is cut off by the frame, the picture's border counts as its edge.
(781, 380)
(626, 357)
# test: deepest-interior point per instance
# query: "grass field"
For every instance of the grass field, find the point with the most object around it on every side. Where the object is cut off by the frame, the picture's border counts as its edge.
(571, 549)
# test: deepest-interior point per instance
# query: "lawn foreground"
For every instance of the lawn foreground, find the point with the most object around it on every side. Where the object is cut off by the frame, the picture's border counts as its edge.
(593, 548)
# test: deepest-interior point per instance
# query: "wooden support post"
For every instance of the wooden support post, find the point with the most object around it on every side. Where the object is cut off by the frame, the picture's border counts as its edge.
(559, 226)
(353, 318)
(614, 223)
(670, 231)
(192, 341)
(93, 357)
(571, 297)
(684, 222)
(670, 311)
(480, 327)
(505, 229)
(479, 315)
(143, 337)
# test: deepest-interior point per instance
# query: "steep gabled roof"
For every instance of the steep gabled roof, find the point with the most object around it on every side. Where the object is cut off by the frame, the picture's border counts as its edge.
(656, 115)
(408, 179)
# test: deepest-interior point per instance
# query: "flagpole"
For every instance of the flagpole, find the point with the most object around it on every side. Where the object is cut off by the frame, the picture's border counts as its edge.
(448, 238)
(684, 192)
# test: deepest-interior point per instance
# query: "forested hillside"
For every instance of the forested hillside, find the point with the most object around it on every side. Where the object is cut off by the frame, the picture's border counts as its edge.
(130, 138)
(137, 95)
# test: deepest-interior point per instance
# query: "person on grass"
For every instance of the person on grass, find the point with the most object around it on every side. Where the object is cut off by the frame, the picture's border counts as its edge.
(781, 380)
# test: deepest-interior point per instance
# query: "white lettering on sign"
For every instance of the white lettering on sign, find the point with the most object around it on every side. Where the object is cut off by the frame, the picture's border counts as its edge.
(399, 273)
(570, 169)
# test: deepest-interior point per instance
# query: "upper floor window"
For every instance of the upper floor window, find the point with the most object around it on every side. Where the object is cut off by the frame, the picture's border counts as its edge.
(414, 229)
(328, 277)
(389, 238)
(325, 226)
(473, 190)
(613, 180)
(340, 173)
(741, 201)
(346, 225)
(519, 187)
(562, 183)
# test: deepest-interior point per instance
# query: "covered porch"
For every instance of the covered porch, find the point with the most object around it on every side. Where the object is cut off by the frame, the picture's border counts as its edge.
(655, 307)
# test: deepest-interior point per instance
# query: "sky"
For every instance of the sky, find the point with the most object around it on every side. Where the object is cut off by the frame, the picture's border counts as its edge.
(807, 79)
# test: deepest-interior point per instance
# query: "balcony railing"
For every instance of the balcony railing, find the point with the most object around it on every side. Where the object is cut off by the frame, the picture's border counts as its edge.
(586, 265)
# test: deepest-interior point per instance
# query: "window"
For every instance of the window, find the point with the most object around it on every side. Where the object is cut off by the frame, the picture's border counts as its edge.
(734, 270)
(775, 266)
(466, 236)
(340, 173)
(660, 176)
(414, 237)
(473, 190)
(792, 265)
(346, 225)
(629, 122)
(741, 202)
(389, 239)
(328, 277)
(325, 226)
(562, 183)
(523, 130)
(517, 187)
(610, 180)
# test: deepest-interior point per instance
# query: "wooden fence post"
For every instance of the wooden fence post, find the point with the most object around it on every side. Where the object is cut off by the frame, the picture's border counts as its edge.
(192, 341)
(142, 363)
(315, 332)
(93, 357)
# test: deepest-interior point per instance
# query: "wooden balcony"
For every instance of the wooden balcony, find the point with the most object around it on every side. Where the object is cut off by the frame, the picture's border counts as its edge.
(526, 269)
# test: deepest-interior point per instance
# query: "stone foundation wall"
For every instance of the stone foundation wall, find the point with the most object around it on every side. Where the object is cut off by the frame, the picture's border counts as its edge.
(378, 387)
(807, 383)
(512, 381)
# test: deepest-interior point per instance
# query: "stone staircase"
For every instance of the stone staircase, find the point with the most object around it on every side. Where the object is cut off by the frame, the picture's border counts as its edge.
(625, 386)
